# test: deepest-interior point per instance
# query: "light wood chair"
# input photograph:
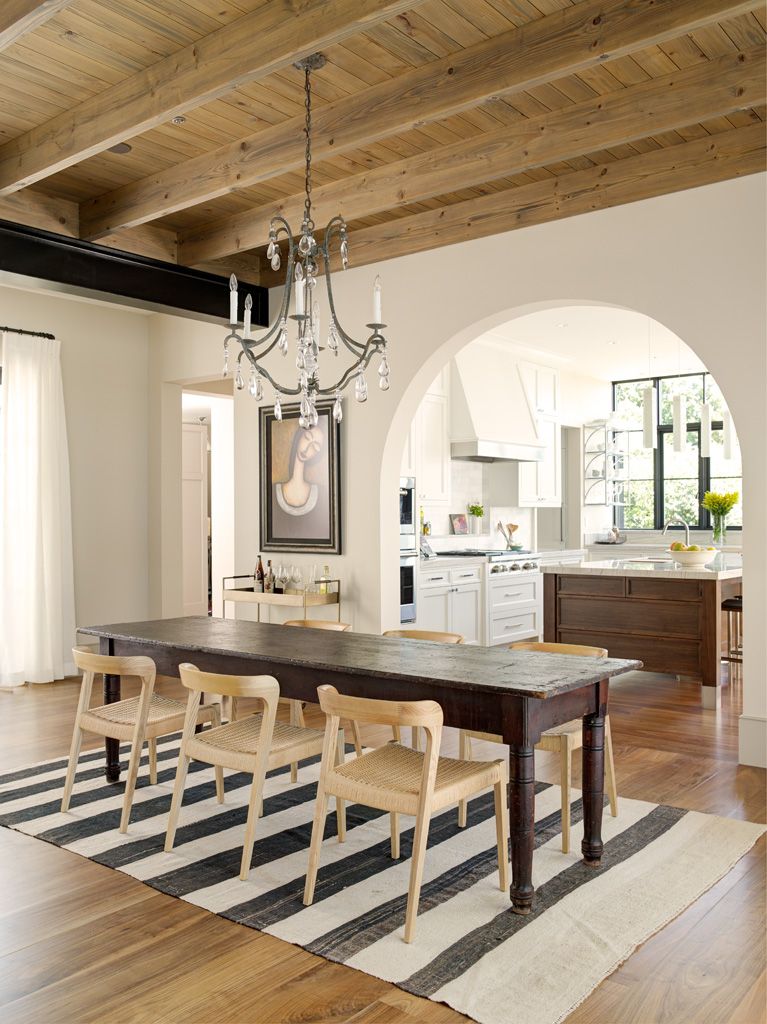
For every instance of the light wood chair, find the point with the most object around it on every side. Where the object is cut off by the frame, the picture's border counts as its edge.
(255, 744)
(132, 720)
(399, 780)
(562, 740)
(297, 706)
(433, 636)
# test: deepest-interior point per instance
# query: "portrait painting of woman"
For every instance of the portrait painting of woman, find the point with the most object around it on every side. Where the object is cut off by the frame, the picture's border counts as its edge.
(300, 486)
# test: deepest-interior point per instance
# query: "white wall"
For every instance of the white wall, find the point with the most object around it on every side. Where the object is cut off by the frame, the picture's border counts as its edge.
(104, 358)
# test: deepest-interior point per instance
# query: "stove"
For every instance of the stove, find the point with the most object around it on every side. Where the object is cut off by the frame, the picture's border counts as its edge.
(499, 560)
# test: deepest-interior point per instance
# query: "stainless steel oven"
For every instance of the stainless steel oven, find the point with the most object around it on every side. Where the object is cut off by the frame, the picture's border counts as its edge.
(407, 529)
(408, 582)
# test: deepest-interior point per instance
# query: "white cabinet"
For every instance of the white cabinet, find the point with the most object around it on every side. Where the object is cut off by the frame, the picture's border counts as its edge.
(426, 455)
(541, 386)
(514, 608)
(450, 601)
(543, 480)
(432, 475)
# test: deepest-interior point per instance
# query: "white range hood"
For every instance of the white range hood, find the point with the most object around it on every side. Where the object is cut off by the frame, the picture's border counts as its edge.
(491, 418)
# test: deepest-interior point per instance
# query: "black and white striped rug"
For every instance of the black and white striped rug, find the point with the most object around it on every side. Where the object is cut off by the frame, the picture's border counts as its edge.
(470, 951)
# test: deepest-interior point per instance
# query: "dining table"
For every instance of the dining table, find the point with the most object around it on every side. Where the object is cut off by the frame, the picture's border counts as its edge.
(516, 694)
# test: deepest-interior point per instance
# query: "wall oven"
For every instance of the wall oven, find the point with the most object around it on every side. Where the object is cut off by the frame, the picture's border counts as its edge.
(408, 582)
(407, 527)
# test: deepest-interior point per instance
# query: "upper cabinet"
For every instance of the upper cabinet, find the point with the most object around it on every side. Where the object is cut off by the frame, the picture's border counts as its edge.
(541, 387)
(427, 449)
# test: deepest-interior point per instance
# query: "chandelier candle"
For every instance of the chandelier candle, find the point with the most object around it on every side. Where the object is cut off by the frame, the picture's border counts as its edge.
(307, 260)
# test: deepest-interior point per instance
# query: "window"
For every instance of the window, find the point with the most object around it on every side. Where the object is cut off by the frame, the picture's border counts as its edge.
(657, 484)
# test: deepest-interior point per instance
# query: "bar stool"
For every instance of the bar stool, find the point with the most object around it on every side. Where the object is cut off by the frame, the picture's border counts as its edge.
(733, 606)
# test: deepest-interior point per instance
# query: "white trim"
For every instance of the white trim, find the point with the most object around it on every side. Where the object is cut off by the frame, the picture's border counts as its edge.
(753, 741)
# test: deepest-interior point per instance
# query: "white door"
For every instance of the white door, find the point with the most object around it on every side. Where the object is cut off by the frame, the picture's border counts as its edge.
(466, 611)
(194, 518)
(433, 609)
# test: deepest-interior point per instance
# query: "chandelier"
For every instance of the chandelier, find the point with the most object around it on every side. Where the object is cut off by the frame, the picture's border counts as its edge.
(307, 259)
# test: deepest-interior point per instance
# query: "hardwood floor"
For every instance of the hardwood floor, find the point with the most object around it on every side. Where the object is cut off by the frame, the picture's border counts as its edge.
(62, 917)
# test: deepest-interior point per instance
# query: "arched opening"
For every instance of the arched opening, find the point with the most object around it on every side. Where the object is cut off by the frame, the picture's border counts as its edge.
(604, 355)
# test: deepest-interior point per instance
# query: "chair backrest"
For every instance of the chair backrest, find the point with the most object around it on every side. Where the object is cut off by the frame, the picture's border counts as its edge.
(88, 661)
(339, 627)
(551, 648)
(424, 634)
(265, 687)
(426, 713)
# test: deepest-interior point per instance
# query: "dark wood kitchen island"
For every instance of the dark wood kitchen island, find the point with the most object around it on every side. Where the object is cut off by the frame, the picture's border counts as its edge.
(656, 611)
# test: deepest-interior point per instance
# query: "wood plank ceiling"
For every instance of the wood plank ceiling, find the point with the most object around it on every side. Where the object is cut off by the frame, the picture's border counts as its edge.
(435, 121)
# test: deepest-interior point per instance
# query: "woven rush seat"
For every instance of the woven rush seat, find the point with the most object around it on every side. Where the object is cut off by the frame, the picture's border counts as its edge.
(243, 736)
(398, 770)
(124, 712)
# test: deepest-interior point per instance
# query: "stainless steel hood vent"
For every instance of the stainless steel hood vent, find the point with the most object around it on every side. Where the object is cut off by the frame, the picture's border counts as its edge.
(491, 419)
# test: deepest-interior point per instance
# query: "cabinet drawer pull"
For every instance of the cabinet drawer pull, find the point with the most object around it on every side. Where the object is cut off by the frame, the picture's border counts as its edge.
(466, 575)
(436, 579)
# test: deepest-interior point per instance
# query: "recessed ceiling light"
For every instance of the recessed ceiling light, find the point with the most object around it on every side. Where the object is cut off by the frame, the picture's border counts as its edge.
(121, 148)
(561, 325)
(178, 119)
(612, 342)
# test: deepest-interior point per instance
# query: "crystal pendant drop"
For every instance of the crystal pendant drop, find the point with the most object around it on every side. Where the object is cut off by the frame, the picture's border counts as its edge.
(361, 388)
(338, 413)
(271, 248)
(259, 389)
(333, 339)
(383, 374)
(277, 408)
(274, 262)
(282, 341)
(252, 381)
(344, 253)
(225, 371)
(316, 322)
(239, 382)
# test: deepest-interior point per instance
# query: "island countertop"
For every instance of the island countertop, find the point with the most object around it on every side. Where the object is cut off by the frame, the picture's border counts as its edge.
(723, 567)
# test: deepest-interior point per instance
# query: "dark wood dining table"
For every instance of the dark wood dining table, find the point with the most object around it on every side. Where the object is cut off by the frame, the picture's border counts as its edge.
(517, 694)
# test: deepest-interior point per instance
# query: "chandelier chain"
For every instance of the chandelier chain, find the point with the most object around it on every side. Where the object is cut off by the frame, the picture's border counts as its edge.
(308, 171)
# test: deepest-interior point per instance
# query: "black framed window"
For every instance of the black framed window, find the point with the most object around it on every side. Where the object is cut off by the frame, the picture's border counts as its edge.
(660, 483)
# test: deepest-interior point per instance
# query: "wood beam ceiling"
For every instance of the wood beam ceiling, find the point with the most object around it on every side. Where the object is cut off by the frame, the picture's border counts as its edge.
(704, 91)
(687, 165)
(567, 41)
(250, 48)
(17, 17)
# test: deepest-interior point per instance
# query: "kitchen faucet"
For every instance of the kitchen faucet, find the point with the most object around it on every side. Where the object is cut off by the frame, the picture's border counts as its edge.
(678, 521)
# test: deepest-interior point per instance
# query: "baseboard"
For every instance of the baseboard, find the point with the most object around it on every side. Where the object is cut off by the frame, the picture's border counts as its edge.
(753, 741)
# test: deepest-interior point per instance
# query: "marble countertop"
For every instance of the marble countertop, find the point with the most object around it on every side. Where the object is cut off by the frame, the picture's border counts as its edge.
(723, 567)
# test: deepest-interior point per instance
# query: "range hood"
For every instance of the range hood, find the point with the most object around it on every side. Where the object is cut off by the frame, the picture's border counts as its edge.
(491, 414)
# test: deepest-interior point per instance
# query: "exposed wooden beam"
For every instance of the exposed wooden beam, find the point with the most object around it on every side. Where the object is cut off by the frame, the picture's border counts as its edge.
(17, 17)
(567, 41)
(35, 209)
(278, 33)
(705, 91)
(690, 164)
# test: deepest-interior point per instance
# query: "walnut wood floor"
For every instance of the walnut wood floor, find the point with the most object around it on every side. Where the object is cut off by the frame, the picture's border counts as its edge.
(82, 943)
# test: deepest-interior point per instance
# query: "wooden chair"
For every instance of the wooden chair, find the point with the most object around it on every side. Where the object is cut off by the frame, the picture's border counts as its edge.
(132, 720)
(430, 635)
(297, 706)
(255, 744)
(399, 780)
(562, 740)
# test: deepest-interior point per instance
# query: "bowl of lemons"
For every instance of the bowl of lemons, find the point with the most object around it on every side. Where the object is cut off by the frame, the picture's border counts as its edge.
(692, 556)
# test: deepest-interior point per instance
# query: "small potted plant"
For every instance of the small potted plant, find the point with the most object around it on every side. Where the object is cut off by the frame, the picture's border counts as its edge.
(476, 511)
(720, 506)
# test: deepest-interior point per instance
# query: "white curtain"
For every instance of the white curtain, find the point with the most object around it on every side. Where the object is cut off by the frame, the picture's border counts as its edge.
(37, 603)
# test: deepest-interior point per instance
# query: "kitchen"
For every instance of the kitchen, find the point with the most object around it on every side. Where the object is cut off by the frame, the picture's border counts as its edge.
(554, 446)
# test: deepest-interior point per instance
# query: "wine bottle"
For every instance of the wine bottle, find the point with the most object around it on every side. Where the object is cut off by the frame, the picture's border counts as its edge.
(269, 578)
(259, 577)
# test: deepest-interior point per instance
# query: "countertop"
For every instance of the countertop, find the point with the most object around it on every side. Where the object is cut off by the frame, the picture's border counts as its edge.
(724, 567)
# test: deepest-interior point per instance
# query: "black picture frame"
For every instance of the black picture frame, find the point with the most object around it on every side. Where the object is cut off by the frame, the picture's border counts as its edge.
(284, 527)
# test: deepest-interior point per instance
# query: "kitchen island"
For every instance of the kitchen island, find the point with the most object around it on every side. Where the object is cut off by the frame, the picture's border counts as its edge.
(665, 615)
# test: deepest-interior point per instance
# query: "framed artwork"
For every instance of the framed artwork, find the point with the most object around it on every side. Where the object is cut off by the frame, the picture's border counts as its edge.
(300, 482)
(459, 522)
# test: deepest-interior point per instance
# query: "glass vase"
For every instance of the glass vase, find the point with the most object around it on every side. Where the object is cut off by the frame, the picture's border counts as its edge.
(720, 529)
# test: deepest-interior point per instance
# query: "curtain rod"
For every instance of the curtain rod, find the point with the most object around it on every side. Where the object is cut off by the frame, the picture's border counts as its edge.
(32, 334)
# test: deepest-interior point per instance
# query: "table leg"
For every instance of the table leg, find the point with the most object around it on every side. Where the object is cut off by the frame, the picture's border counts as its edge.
(112, 747)
(593, 787)
(522, 822)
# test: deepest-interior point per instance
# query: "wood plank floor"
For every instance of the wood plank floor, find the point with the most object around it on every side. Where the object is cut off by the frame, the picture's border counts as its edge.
(82, 943)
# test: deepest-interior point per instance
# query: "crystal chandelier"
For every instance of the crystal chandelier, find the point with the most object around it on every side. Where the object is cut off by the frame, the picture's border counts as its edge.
(306, 260)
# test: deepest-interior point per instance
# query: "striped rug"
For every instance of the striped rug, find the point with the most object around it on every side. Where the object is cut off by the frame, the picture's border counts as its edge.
(470, 951)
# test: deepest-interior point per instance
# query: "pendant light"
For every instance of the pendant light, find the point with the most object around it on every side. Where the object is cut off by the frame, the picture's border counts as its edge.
(679, 410)
(705, 431)
(649, 401)
(727, 431)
